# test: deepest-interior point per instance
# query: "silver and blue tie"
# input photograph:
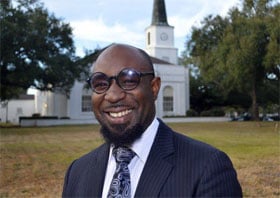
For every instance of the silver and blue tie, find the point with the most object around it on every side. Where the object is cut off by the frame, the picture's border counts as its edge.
(120, 185)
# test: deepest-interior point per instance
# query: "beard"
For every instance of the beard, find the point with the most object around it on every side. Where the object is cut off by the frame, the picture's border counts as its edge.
(124, 136)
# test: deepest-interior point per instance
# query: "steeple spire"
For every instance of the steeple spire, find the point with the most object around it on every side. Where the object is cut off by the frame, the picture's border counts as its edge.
(159, 13)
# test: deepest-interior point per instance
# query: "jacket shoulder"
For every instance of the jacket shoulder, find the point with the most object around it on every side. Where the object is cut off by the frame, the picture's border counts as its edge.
(204, 169)
(85, 175)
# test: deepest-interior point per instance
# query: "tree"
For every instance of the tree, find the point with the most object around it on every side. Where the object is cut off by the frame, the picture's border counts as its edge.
(239, 52)
(37, 50)
(204, 96)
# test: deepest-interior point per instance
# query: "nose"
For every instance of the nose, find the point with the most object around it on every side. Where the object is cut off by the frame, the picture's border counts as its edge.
(114, 93)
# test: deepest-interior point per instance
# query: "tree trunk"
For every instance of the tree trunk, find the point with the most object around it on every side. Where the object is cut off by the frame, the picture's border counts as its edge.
(255, 106)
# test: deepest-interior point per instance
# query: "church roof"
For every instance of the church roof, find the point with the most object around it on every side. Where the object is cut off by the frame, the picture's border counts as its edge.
(159, 61)
(159, 13)
(25, 97)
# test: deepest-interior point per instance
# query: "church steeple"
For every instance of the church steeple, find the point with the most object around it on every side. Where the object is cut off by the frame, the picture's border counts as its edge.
(160, 35)
(159, 13)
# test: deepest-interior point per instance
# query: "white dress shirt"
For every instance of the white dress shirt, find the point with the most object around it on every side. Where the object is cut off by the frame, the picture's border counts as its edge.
(142, 149)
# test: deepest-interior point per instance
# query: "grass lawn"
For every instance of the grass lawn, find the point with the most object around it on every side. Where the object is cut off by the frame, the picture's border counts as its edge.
(34, 160)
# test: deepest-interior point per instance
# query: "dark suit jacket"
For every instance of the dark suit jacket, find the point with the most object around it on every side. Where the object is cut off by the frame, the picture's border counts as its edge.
(177, 166)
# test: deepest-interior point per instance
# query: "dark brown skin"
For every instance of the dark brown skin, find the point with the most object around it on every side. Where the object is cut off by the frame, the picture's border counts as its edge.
(119, 110)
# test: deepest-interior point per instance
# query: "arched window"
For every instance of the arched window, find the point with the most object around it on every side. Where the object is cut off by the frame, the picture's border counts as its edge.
(168, 99)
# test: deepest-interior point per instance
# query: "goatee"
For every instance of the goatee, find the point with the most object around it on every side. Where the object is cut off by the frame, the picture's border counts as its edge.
(123, 136)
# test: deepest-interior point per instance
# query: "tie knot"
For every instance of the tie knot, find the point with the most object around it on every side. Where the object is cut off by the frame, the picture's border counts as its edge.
(123, 154)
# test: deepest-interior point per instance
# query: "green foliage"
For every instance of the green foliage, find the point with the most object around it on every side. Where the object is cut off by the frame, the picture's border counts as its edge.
(37, 49)
(216, 112)
(240, 52)
(203, 95)
(192, 113)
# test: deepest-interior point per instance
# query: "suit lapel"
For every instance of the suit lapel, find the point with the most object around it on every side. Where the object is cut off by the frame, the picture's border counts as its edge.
(159, 164)
(99, 167)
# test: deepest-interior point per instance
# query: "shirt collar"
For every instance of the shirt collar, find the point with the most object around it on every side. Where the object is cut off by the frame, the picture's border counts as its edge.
(143, 145)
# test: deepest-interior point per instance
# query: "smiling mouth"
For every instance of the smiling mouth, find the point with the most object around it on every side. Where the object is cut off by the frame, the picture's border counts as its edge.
(120, 114)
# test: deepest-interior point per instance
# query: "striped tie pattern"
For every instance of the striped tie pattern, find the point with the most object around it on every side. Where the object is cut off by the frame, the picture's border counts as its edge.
(120, 185)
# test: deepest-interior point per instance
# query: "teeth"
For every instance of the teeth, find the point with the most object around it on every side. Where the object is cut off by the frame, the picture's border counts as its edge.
(120, 114)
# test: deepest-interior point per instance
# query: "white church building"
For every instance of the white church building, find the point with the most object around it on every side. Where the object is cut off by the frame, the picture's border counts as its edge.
(173, 98)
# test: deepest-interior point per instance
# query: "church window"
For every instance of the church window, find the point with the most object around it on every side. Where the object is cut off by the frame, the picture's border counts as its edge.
(168, 99)
(86, 103)
(149, 38)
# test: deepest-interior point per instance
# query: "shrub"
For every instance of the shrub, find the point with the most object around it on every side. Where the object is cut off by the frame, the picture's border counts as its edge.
(191, 113)
(36, 115)
(37, 118)
(216, 112)
(65, 118)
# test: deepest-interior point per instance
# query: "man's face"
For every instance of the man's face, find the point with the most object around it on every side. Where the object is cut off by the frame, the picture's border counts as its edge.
(124, 115)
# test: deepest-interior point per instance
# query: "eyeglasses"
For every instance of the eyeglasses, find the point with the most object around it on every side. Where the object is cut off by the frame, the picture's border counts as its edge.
(127, 79)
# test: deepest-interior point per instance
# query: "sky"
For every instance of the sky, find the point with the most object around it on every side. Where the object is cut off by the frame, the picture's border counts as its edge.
(98, 23)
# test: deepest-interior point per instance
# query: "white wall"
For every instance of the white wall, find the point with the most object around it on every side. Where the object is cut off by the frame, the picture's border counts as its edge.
(175, 76)
(42, 102)
(75, 103)
(15, 109)
(59, 105)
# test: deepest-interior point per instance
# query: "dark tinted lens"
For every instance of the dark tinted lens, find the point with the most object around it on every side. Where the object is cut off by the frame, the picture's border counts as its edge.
(128, 79)
(99, 82)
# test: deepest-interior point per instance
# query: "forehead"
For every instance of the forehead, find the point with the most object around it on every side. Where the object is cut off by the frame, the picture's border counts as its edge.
(115, 58)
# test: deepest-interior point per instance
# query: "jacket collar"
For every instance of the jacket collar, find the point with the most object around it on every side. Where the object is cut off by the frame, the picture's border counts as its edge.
(158, 165)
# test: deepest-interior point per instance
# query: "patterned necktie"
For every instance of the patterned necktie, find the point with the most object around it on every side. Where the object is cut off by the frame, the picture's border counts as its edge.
(120, 185)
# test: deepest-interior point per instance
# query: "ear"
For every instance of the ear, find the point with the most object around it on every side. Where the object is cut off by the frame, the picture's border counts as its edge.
(155, 83)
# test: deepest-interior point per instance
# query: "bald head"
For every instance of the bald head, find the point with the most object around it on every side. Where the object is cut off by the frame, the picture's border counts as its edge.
(127, 55)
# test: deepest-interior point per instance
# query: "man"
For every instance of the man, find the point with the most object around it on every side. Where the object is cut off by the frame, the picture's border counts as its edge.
(162, 163)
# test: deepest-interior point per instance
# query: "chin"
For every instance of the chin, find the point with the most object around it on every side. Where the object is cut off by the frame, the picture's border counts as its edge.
(121, 135)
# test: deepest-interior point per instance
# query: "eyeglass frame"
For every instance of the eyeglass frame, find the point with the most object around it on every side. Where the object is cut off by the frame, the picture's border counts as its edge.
(115, 77)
